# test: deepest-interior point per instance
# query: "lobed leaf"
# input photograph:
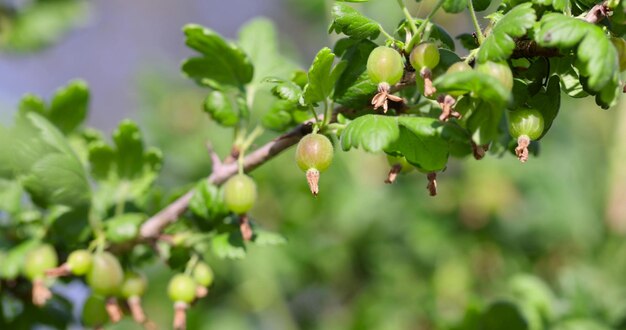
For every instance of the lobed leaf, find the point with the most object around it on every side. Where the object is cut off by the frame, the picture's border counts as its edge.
(597, 60)
(350, 22)
(499, 45)
(372, 133)
(479, 84)
(322, 77)
(222, 65)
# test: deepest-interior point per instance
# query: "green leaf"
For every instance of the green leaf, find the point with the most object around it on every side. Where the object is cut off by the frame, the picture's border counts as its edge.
(373, 133)
(596, 55)
(124, 228)
(558, 5)
(548, 102)
(322, 77)
(354, 87)
(10, 196)
(503, 315)
(221, 107)
(533, 292)
(454, 6)
(479, 84)
(229, 245)
(222, 65)
(421, 144)
(258, 38)
(207, 203)
(350, 22)
(279, 117)
(68, 108)
(352, 0)
(484, 121)
(267, 238)
(101, 159)
(581, 324)
(32, 103)
(12, 263)
(499, 45)
(129, 146)
(437, 34)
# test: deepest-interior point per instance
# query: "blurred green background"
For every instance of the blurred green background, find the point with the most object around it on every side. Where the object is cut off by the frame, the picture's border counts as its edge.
(547, 235)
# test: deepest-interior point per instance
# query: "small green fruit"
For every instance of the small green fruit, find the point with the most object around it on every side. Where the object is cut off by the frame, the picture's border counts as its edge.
(105, 276)
(203, 274)
(182, 288)
(527, 122)
(134, 285)
(94, 312)
(406, 167)
(459, 67)
(425, 55)
(79, 262)
(39, 260)
(240, 193)
(500, 71)
(384, 65)
(314, 154)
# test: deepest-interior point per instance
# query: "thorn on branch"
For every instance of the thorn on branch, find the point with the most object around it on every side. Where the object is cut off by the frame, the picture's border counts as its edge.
(446, 103)
(215, 158)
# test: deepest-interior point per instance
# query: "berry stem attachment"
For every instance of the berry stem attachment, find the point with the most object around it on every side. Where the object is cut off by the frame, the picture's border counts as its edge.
(521, 151)
(408, 17)
(61, 271)
(432, 183)
(393, 173)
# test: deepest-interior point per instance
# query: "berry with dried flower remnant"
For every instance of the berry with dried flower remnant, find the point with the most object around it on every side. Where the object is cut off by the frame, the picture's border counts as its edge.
(79, 262)
(133, 287)
(385, 68)
(458, 67)
(36, 263)
(203, 275)
(424, 57)
(399, 164)
(525, 125)
(314, 154)
(182, 291)
(105, 279)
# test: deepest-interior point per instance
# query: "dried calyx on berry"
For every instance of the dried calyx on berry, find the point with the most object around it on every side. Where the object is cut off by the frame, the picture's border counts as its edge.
(525, 125)
(425, 57)
(314, 154)
(385, 67)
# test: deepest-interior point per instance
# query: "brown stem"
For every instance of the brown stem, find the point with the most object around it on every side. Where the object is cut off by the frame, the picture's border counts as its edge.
(180, 316)
(134, 303)
(153, 226)
(432, 183)
(62, 270)
(393, 173)
(525, 48)
(597, 13)
(113, 309)
(244, 227)
(41, 293)
(522, 148)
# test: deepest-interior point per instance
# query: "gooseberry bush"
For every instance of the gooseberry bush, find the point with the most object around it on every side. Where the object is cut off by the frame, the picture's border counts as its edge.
(76, 205)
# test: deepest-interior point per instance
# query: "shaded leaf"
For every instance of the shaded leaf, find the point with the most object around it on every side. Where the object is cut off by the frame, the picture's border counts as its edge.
(372, 133)
(499, 45)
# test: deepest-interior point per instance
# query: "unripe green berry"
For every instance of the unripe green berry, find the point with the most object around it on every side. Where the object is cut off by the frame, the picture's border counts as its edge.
(424, 55)
(203, 274)
(106, 275)
(527, 122)
(39, 260)
(182, 288)
(240, 193)
(500, 71)
(459, 67)
(384, 65)
(79, 262)
(134, 285)
(400, 160)
(314, 151)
